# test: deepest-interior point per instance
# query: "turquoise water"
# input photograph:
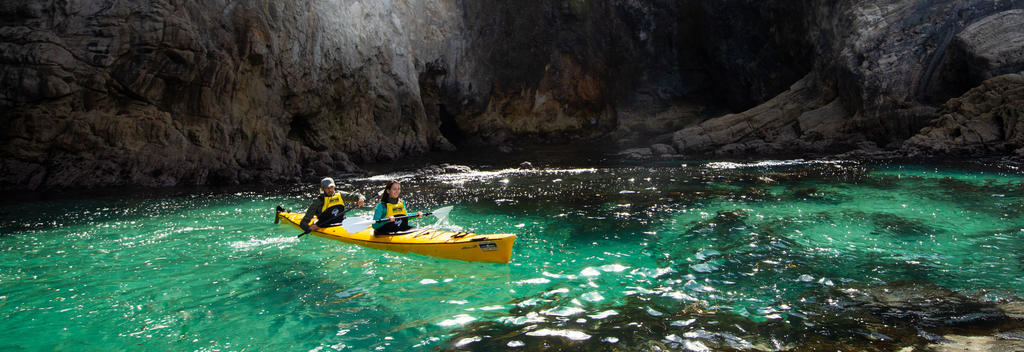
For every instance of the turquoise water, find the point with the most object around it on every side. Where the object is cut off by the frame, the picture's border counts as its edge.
(670, 255)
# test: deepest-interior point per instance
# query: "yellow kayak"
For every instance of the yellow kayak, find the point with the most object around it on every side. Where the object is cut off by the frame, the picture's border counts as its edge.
(470, 247)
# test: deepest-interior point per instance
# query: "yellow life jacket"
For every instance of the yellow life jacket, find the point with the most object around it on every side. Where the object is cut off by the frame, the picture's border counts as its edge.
(396, 209)
(331, 202)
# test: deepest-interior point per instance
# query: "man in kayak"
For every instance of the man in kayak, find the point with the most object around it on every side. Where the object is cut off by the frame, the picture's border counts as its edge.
(389, 208)
(329, 207)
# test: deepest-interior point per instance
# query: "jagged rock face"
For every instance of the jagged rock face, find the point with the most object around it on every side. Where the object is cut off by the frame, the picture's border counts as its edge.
(186, 92)
(987, 120)
(879, 69)
(555, 71)
(990, 47)
(883, 56)
(183, 92)
(799, 119)
(753, 49)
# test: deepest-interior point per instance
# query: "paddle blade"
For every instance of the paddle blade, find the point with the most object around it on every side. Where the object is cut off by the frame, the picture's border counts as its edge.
(356, 224)
(277, 216)
(442, 215)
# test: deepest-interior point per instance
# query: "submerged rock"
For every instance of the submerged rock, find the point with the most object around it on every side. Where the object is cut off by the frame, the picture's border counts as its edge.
(865, 320)
(1010, 341)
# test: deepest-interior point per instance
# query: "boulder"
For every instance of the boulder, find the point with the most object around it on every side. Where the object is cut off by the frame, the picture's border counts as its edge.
(989, 47)
(662, 149)
(985, 120)
(636, 153)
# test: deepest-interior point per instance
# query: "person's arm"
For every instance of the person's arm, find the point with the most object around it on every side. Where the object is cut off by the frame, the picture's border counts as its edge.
(378, 214)
(358, 198)
(314, 210)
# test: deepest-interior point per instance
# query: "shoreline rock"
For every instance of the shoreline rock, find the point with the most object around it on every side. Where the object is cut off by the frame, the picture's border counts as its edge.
(442, 169)
(226, 93)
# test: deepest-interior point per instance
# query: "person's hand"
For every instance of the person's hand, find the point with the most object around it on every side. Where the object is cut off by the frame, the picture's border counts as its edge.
(419, 214)
(359, 203)
(313, 227)
(391, 219)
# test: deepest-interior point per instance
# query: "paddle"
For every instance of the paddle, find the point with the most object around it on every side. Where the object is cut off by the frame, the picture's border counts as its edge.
(342, 222)
(441, 214)
(358, 224)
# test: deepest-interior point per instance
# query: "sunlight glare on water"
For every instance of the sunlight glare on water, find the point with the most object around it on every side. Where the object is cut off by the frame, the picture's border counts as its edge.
(692, 256)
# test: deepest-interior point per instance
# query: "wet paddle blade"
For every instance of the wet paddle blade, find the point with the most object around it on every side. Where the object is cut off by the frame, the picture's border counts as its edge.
(442, 215)
(354, 225)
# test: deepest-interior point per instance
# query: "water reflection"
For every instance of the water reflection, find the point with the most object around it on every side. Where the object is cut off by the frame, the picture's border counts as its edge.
(696, 256)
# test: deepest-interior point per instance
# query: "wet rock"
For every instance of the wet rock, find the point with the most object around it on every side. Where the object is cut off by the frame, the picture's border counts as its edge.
(990, 47)
(645, 125)
(627, 143)
(1012, 335)
(985, 120)
(805, 192)
(633, 328)
(442, 169)
(874, 81)
(929, 308)
(662, 149)
(526, 165)
(770, 128)
(211, 92)
(1004, 342)
(636, 153)
(868, 150)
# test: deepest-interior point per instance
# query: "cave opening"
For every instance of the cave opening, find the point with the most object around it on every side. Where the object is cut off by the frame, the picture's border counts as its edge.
(301, 130)
(449, 127)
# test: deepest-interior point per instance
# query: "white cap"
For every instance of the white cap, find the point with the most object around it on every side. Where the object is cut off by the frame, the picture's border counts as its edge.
(327, 182)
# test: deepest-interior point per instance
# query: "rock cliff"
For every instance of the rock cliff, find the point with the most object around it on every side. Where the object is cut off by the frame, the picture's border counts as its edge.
(881, 71)
(169, 92)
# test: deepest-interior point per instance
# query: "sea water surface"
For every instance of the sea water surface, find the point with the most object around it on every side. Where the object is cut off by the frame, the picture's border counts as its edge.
(660, 256)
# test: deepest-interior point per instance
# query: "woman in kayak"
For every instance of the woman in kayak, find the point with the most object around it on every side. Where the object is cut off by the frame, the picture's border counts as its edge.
(328, 208)
(389, 208)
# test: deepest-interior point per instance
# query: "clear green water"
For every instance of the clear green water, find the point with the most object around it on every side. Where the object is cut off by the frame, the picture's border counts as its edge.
(695, 256)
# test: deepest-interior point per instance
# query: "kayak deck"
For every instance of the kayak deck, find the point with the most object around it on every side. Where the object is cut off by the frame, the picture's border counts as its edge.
(466, 246)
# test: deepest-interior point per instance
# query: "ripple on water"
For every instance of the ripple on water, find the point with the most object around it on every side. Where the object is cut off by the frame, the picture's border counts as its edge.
(574, 335)
(255, 243)
(592, 296)
(604, 314)
(775, 254)
(458, 320)
(563, 311)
